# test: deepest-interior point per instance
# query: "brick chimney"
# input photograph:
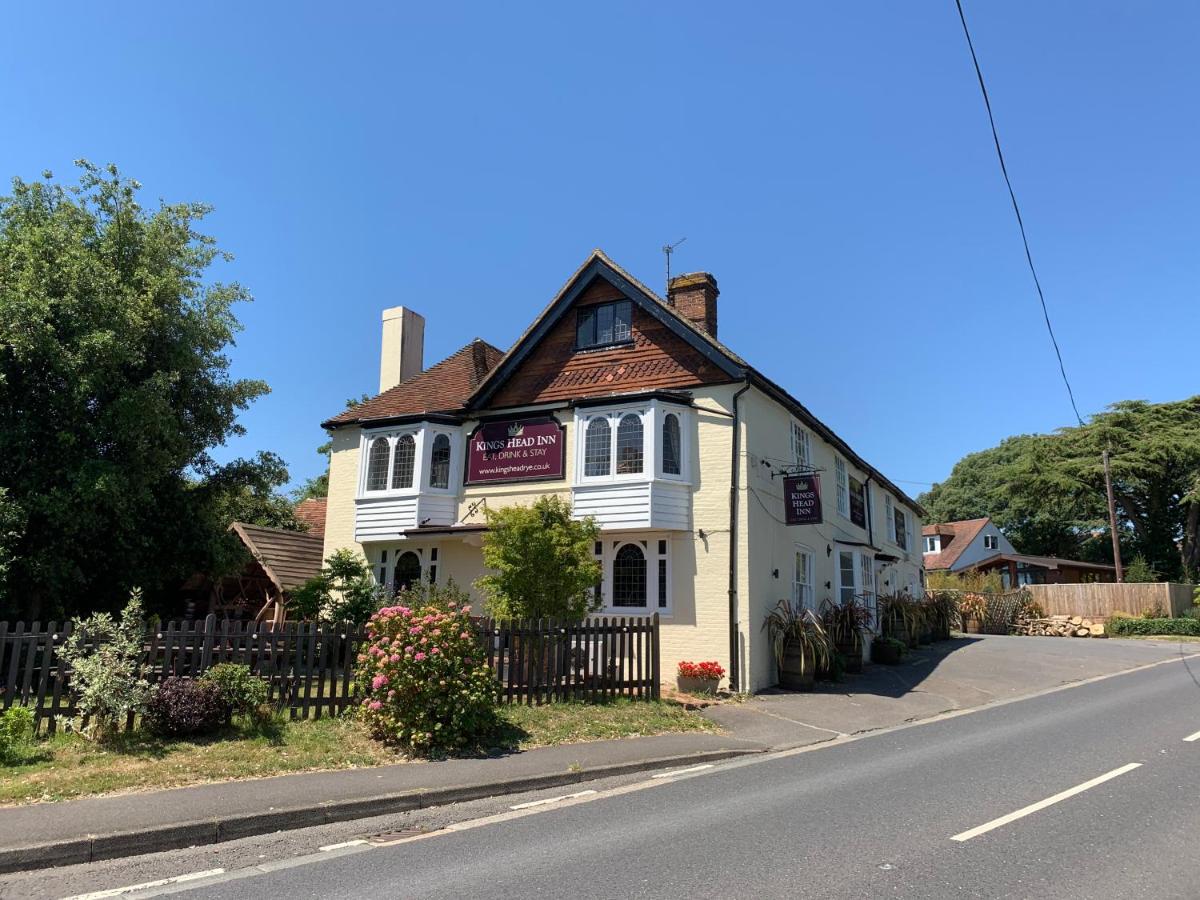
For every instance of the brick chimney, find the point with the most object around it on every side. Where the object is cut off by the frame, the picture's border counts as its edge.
(694, 296)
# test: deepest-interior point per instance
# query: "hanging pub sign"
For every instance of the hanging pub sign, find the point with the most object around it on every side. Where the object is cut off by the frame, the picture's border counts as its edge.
(516, 450)
(802, 500)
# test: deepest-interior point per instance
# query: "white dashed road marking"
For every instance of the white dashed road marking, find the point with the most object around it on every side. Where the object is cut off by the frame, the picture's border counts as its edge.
(1042, 804)
(146, 885)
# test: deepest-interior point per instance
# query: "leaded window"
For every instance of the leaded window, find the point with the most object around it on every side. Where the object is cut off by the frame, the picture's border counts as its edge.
(672, 449)
(403, 460)
(377, 464)
(439, 463)
(597, 448)
(604, 324)
(629, 576)
(629, 445)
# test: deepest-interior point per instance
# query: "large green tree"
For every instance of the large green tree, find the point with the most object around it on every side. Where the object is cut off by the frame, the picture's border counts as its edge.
(1046, 492)
(114, 389)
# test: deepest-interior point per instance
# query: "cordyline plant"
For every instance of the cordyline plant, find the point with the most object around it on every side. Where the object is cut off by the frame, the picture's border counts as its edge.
(423, 679)
(107, 673)
(788, 624)
(846, 622)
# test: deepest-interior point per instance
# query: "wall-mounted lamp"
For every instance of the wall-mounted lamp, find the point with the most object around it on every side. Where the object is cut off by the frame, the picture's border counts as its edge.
(829, 549)
(774, 573)
(702, 534)
(828, 585)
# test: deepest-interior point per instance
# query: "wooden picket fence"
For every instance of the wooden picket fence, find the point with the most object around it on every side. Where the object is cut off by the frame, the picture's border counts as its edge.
(309, 667)
(547, 660)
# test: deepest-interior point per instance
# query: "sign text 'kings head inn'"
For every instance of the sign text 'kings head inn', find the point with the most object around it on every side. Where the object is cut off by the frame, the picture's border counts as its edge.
(802, 499)
(516, 450)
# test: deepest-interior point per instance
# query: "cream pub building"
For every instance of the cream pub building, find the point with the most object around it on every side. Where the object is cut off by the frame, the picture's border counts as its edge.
(694, 465)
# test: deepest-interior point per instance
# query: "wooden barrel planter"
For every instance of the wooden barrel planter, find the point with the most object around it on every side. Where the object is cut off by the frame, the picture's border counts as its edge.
(791, 675)
(971, 625)
(852, 653)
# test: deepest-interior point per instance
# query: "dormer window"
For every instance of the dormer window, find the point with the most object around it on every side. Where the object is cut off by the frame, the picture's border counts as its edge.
(604, 325)
(991, 542)
(933, 543)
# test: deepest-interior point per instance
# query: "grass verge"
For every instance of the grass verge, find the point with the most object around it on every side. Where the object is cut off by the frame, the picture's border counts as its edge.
(67, 767)
(1180, 638)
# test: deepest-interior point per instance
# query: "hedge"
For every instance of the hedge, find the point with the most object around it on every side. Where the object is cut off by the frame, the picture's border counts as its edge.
(1123, 625)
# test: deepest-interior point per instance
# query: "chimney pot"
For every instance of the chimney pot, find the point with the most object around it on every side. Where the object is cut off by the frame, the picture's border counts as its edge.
(694, 295)
(402, 354)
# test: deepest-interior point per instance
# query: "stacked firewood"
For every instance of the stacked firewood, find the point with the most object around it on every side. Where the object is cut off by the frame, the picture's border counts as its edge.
(1060, 626)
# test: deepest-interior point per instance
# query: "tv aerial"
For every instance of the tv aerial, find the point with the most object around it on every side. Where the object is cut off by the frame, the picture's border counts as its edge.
(667, 250)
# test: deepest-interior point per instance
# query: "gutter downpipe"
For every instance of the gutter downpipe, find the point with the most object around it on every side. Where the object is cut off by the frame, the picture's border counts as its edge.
(734, 486)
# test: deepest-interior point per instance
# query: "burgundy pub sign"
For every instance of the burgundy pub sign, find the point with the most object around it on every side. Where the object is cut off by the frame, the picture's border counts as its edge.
(802, 499)
(516, 450)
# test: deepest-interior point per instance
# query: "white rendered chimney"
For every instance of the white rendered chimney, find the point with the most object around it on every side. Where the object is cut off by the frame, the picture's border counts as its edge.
(402, 355)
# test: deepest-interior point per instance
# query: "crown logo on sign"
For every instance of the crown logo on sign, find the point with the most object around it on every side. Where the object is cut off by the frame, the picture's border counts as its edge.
(515, 429)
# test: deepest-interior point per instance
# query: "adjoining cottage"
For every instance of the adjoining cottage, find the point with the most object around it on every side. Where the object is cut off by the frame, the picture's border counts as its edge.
(717, 492)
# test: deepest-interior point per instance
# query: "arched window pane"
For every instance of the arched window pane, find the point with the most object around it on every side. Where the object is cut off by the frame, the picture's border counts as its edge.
(596, 449)
(403, 461)
(439, 467)
(408, 570)
(672, 464)
(377, 465)
(629, 576)
(629, 445)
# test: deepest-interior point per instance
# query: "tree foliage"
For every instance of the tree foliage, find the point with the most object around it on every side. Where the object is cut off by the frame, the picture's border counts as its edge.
(114, 388)
(1046, 492)
(541, 560)
(343, 592)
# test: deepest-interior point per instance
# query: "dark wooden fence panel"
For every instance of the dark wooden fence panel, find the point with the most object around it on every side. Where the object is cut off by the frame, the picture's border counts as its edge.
(309, 668)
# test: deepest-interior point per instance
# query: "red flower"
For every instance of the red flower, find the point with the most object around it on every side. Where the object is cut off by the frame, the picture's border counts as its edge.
(707, 670)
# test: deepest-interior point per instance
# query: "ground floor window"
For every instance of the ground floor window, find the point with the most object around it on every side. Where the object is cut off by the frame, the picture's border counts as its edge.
(400, 567)
(802, 579)
(856, 576)
(635, 574)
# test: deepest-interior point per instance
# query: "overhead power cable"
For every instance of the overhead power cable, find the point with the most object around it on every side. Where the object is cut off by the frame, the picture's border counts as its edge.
(1017, 209)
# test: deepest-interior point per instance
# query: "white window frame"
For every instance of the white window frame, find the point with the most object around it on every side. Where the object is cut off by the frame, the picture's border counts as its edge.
(864, 573)
(383, 573)
(652, 415)
(426, 464)
(391, 436)
(908, 530)
(933, 543)
(842, 476)
(804, 593)
(801, 445)
(991, 542)
(889, 513)
(649, 544)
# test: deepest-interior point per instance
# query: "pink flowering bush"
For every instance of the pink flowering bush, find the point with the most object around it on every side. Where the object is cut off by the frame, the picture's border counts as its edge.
(423, 680)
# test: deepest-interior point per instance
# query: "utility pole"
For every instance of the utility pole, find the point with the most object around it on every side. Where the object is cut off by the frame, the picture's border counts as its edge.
(1112, 520)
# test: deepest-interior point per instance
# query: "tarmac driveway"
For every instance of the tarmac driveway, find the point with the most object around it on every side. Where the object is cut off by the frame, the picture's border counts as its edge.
(961, 673)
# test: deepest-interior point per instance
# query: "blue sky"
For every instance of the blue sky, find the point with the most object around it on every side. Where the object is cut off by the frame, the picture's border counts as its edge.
(829, 163)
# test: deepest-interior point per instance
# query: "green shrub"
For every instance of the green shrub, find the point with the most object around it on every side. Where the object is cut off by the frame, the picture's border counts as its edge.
(107, 672)
(241, 692)
(423, 679)
(1188, 626)
(16, 732)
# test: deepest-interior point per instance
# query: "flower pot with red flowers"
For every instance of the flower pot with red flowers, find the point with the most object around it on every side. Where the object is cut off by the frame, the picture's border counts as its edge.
(700, 677)
(801, 645)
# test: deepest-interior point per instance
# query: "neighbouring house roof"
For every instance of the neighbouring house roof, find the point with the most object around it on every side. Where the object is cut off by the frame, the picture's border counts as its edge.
(312, 513)
(289, 558)
(1043, 562)
(443, 388)
(598, 264)
(960, 535)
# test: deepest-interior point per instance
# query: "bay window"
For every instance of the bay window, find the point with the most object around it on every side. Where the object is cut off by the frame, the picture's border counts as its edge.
(625, 444)
(407, 462)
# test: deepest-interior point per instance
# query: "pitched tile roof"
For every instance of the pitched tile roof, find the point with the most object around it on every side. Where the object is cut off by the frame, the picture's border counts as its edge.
(960, 534)
(312, 513)
(289, 558)
(441, 388)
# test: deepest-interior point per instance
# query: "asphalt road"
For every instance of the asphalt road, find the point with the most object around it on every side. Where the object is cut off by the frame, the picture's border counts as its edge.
(872, 817)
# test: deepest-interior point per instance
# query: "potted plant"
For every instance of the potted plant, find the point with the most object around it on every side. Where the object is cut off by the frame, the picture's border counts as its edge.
(972, 609)
(887, 650)
(902, 618)
(940, 610)
(846, 623)
(699, 678)
(800, 643)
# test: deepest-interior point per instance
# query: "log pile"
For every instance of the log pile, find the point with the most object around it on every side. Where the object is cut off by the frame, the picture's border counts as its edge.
(1061, 626)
